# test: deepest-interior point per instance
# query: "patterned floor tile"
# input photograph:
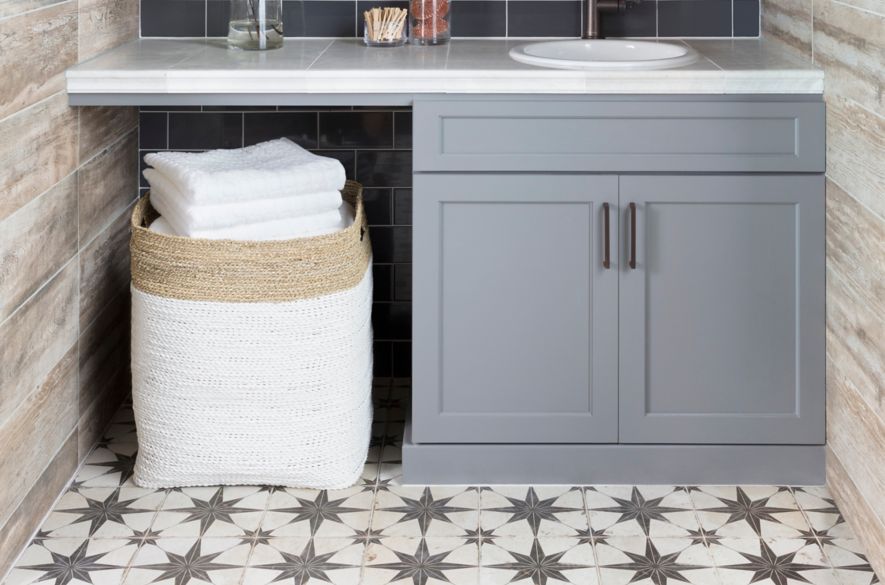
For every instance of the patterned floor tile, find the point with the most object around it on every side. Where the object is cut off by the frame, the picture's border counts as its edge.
(211, 511)
(426, 511)
(821, 513)
(419, 561)
(654, 561)
(390, 475)
(318, 513)
(77, 561)
(851, 565)
(661, 511)
(533, 511)
(537, 561)
(110, 465)
(303, 560)
(109, 512)
(749, 511)
(189, 561)
(774, 561)
(107, 531)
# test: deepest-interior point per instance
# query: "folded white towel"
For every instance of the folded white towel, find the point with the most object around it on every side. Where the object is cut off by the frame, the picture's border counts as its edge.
(280, 229)
(187, 218)
(277, 168)
(161, 226)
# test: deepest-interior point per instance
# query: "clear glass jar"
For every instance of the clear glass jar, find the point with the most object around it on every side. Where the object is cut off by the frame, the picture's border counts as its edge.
(430, 22)
(255, 25)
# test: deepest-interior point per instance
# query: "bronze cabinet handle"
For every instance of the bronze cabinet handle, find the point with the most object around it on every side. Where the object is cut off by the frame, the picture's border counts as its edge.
(606, 259)
(632, 236)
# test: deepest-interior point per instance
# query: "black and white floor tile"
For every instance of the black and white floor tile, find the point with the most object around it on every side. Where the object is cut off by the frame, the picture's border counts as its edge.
(107, 531)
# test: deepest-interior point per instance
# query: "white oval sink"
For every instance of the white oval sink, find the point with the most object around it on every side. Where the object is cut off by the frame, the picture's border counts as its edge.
(604, 54)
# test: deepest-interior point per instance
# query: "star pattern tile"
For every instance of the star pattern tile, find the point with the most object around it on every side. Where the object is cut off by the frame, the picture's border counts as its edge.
(421, 562)
(190, 566)
(641, 511)
(535, 511)
(211, 512)
(779, 562)
(77, 566)
(63, 561)
(427, 511)
(107, 531)
(654, 566)
(318, 512)
(749, 511)
(655, 561)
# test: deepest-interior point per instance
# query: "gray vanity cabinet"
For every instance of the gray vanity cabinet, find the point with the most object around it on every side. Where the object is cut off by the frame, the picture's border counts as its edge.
(515, 312)
(696, 353)
(722, 312)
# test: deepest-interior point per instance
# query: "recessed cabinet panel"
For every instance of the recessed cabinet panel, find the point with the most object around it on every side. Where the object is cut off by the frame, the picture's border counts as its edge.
(721, 336)
(515, 314)
(614, 134)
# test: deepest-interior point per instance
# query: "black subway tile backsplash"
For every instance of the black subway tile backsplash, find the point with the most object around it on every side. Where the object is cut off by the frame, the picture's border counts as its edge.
(470, 18)
(402, 127)
(319, 18)
(746, 18)
(299, 127)
(382, 282)
(402, 282)
(479, 18)
(694, 18)
(205, 130)
(544, 18)
(388, 168)
(152, 130)
(402, 206)
(364, 129)
(640, 19)
(173, 18)
(378, 206)
(217, 17)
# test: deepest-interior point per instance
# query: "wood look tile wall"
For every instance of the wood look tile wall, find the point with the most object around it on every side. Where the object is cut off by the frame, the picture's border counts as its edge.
(67, 182)
(847, 39)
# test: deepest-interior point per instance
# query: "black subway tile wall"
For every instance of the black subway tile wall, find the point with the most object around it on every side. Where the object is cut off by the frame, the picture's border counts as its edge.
(374, 144)
(470, 18)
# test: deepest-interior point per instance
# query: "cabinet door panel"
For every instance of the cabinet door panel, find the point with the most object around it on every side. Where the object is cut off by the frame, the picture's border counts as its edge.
(515, 318)
(722, 320)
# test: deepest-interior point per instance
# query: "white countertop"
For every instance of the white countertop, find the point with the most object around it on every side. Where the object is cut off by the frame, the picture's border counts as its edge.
(151, 71)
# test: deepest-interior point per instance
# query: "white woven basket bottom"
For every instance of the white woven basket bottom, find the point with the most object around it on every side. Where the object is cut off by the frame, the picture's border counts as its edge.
(252, 393)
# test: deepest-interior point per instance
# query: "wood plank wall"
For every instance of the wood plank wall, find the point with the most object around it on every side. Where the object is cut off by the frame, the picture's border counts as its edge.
(68, 177)
(847, 39)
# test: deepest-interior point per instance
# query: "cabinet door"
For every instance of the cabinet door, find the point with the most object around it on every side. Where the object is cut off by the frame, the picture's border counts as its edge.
(514, 314)
(722, 319)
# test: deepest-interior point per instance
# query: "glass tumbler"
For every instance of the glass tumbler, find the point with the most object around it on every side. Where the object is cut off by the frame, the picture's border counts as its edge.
(430, 22)
(255, 25)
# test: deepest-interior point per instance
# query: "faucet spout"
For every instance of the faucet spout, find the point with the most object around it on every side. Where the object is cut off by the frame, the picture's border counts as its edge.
(592, 9)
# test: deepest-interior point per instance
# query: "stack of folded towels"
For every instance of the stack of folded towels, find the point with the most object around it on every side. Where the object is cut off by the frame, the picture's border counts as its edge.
(270, 191)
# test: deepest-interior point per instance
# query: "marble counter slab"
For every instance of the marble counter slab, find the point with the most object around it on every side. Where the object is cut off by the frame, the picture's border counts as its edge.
(204, 71)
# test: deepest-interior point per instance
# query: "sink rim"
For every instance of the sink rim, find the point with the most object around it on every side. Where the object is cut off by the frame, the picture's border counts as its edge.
(689, 56)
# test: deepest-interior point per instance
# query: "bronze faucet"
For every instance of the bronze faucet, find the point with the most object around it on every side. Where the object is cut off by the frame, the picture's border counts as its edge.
(592, 8)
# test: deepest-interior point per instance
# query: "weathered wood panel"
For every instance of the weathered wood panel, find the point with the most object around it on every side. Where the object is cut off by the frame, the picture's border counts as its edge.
(17, 531)
(34, 339)
(35, 49)
(36, 242)
(36, 431)
(107, 185)
(38, 146)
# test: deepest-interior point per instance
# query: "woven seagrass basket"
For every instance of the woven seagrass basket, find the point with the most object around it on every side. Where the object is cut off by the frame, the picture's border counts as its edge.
(252, 361)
